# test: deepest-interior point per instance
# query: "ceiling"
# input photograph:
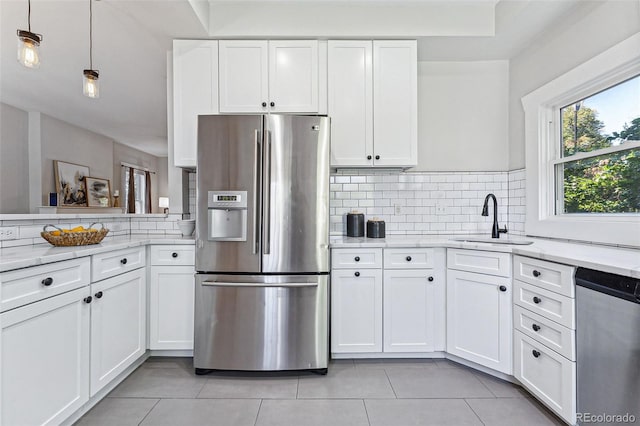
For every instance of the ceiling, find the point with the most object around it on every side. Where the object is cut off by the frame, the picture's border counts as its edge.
(132, 38)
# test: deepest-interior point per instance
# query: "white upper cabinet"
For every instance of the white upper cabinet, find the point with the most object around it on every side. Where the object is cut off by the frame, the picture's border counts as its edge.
(373, 103)
(195, 91)
(350, 97)
(261, 76)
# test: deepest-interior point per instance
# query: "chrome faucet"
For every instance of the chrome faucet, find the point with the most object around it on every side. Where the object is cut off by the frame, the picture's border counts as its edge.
(495, 230)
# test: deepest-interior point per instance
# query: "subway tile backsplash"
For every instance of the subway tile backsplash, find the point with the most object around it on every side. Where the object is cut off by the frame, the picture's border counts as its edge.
(409, 202)
(428, 202)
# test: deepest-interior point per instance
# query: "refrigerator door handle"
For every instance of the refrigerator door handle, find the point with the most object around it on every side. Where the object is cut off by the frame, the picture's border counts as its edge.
(256, 190)
(230, 284)
(267, 195)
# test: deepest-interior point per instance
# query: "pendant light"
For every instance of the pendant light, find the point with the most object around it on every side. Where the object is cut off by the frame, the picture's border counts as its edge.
(28, 44)
(90, 85)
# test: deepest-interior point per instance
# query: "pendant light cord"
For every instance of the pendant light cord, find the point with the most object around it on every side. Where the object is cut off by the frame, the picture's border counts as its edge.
(90, 34)
(29, 15)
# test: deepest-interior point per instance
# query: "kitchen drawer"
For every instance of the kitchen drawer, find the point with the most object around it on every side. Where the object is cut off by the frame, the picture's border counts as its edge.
(110, 264)
(356, 258)
(162, 255)
(28, 285)
(551, 276)
(401, 258)
(548, 304)
(483, 262)
(553, 335)
(547, 375)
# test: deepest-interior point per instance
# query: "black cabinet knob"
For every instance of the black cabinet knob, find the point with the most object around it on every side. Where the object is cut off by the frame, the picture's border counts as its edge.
(98, 295)
(272, 104)
(535, 327)
(174, 255)
(88, 299)
(377, 157)
(123, 261)
(536, 273)
(47, 281)
(357, 258)
(429, 278)
(368, 157)
(357, 274)
(535, 353)
(503, 288)
(537, 300)
(264, 104)
(408, 258)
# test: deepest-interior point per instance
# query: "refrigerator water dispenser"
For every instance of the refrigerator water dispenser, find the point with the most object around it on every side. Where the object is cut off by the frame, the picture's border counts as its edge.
(227, 215)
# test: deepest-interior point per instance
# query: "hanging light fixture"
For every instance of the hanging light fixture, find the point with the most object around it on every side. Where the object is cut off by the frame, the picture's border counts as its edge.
(28, 44)
(90, 84)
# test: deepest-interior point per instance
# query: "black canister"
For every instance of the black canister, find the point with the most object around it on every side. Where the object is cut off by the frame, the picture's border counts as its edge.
(375, 228)
(355, 224)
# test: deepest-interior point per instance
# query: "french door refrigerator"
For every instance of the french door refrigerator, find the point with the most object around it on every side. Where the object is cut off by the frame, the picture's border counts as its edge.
(262, 243)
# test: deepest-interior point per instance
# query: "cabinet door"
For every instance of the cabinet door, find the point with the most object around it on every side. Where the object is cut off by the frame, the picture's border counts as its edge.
(293, 76)
(479, 319)
(243, 79)
(409, 310)
(171, 301)
(45, 360)
(395, 103)
(356, 310)
(118, 324)
(350, 97)
(195, 91)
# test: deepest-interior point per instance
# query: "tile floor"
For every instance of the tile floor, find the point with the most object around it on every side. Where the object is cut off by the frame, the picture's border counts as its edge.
(165, 391)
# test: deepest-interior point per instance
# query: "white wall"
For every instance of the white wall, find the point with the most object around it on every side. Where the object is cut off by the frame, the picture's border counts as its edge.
(463, 116)
(588, 32)
(14, 163)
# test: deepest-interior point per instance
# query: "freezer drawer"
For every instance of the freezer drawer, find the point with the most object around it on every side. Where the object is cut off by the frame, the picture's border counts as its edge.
(261, 322)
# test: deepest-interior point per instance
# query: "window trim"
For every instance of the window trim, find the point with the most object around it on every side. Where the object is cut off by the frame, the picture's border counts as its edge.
(542, 125)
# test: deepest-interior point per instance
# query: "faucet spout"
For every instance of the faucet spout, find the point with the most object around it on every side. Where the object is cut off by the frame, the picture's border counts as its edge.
(495, 229)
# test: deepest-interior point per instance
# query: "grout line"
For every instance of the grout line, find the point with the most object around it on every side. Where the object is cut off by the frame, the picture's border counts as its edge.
(390, 384)
(258, 413)
(366, 412)
(149, 412)
(474, 411)
(483, 384)
(297, 386)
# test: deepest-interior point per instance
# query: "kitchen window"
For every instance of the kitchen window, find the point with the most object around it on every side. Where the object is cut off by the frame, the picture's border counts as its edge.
(582, 136)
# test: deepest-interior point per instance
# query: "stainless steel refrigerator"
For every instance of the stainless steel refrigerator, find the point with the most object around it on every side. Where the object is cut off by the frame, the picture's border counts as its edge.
(262, 243)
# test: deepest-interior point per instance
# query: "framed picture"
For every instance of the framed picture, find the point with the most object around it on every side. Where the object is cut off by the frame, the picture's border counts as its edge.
(98, 192)
(70, 183)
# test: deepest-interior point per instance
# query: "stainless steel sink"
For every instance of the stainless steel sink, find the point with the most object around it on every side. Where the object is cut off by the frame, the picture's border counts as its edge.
(505, 241)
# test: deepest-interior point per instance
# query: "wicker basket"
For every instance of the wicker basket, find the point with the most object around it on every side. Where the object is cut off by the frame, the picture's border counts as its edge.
(67, 239)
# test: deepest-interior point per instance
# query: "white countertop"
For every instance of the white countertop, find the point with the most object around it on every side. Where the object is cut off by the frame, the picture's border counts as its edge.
(622, 261)
(25, 256)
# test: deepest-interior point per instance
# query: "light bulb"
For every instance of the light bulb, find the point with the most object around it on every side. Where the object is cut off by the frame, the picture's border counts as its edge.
(28, 44)
(90, 85)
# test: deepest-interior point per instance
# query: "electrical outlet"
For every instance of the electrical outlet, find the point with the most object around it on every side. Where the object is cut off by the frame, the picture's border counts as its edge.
(440, 208)
(8, 233)
(398, 208)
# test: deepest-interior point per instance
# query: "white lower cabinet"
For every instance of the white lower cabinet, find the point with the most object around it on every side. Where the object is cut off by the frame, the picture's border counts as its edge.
(45, 360)
(118, 325)
(548, 375)
(171, 302)
(356, 310)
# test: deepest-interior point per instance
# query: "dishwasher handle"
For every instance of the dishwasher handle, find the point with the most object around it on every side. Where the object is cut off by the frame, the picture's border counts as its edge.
(239, 285)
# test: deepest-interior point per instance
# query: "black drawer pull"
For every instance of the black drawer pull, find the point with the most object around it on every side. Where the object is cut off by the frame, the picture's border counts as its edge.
(272, 104)
(377, 157)
(88, 299)
(368, 157)
(537, 300)
(408, 258)
(123, 261)
(264, 104)
(98, 295)
(47, 281)
(174, 255)
(357, 258)
(357, 274)
(535, 353)
(503, 288)
(536, 273)
(535, 327)
(430, 279)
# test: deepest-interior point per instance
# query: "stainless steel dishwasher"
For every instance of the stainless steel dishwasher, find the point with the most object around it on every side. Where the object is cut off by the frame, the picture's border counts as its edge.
(608, 348)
